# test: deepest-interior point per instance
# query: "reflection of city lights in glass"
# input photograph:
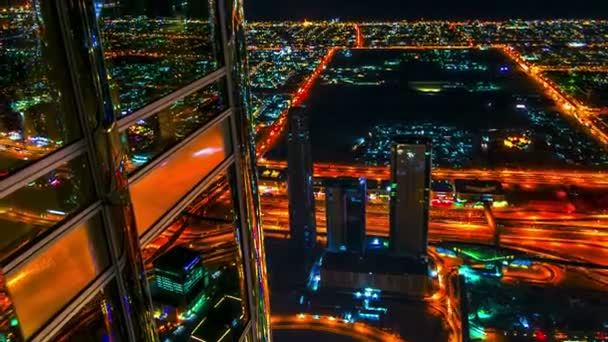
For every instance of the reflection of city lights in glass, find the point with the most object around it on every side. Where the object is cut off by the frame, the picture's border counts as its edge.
(207, 151)
(15, 136)
(98, 8)
(39, 141)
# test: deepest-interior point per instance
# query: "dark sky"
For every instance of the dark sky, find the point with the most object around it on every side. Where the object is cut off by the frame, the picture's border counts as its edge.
(431, 9)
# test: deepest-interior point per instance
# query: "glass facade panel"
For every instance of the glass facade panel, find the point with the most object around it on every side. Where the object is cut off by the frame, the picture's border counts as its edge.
(153, 48)
(99, 320)
(180, 172)
(64, 64)
(37, 115)
(51, 279)
(195, 268)
(44, 203)
(154, 135)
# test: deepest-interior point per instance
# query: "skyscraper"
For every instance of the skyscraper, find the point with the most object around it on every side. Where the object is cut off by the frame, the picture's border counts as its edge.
(345, 201)
(302, 225)
(409, 201)
(135, 146)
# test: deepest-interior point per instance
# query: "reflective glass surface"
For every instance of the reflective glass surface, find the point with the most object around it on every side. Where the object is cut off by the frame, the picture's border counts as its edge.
(48, 281)
(37, 115)
(153, 48)
(154, 135)
(178, 174)
(196, 271)
(99, 320)
(44, 203)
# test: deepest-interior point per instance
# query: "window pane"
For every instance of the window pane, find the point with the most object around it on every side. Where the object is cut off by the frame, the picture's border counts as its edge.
(99, 320)
(49, 281)
(154, 48)
(152, 136)
(37, 115)
(44, 203)
(196, 271)
(181, 172)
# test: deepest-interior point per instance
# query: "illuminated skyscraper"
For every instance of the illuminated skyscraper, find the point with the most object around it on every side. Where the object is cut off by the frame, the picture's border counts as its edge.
(410, 188)
(302, 225)
(345, 201)
(126, 158)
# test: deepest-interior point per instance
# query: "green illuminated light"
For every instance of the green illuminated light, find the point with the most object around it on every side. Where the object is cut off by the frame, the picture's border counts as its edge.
(500, 204)
(477, 332)
(482, 314)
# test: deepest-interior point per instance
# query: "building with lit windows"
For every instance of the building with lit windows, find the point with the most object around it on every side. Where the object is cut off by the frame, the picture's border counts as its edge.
(300, 187)
(180, 279)
(125, 140)
(345, 204)
(409, 197)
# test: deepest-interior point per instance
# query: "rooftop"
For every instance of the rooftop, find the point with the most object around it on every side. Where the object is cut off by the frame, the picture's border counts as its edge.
(478, 186)
(374, 262)
(177, 258)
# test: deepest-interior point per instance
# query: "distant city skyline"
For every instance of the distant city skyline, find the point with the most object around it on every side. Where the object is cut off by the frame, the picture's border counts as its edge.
(433, 9)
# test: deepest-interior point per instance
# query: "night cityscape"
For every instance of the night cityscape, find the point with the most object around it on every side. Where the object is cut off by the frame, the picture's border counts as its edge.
(331, 171)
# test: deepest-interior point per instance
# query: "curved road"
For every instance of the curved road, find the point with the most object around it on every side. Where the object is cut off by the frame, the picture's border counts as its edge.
(357, 331)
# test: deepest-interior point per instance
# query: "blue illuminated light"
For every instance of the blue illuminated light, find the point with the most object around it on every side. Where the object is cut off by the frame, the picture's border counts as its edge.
(191, 264)
(371, 316)
(109, 312)
(98, 8)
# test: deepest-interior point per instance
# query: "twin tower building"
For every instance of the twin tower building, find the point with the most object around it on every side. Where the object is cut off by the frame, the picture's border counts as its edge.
(346, 197)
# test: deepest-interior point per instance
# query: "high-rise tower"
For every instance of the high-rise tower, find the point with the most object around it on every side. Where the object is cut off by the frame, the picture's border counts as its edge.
(409, 200)
(345, 201)
(302, 225)
(135, 147)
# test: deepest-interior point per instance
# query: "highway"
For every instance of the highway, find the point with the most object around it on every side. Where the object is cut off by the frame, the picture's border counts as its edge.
(357, 331)
(569, 105)
(521, 177)
(568, 239)
(267, 138)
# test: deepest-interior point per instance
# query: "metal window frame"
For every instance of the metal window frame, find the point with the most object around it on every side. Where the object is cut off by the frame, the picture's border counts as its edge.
(162, 223)
(246, 330)
(81, 147)
(243, 221)
(152, 165)
(95, 172)
(166, 101)
(41, 167)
